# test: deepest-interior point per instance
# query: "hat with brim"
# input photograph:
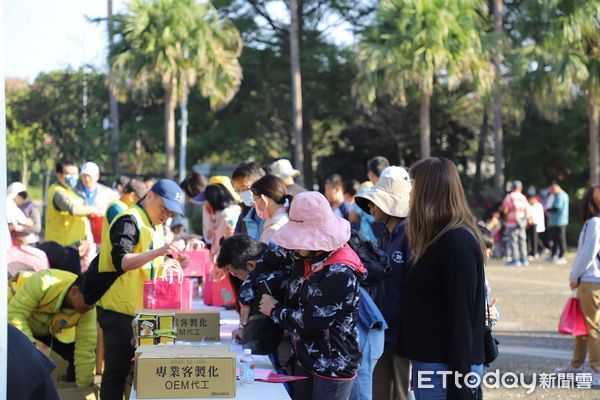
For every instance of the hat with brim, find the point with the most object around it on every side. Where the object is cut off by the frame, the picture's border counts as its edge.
(391, 193)
(283, 169)
(171, 194)
(312, 225)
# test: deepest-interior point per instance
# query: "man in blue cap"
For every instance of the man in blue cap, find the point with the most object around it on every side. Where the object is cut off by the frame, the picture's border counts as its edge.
(132, 252)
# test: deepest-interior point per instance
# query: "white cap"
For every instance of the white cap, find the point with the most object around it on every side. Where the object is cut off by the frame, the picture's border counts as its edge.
(14, 189)
(90, 168)
(283, 169)
(247, 351)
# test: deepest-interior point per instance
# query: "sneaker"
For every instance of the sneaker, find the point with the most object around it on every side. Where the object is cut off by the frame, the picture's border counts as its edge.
(560, 261)
(569, 369)
(514, 264)
(524, 263)
(551, 258)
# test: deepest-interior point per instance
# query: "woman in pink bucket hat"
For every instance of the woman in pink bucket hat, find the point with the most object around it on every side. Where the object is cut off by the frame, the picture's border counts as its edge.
(320, 310)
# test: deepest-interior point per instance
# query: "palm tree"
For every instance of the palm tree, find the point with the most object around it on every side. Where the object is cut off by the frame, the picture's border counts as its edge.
(420, 43)
(112, 101)
(296, 90)
(176, 44)
(574, 49)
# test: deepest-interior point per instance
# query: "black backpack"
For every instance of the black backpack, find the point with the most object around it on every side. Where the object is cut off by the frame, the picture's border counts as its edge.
(373, 258)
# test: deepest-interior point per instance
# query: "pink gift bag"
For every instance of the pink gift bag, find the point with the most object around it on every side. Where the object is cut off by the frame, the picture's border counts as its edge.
(222, 292)
(571, 320)
(199, 263)
(208, 284)
(187, 293)
(166, 291)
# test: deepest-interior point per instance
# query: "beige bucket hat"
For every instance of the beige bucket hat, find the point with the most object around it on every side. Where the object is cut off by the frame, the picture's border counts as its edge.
(391, 193)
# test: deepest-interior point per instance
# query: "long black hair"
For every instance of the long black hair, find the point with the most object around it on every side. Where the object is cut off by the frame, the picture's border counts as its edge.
(273, 188)
(218, 197)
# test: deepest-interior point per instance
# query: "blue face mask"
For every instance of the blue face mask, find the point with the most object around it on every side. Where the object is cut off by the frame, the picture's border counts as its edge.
(71, 181)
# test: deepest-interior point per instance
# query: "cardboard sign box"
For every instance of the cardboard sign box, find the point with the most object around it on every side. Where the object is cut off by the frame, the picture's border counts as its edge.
(193, 325)
(191, 374)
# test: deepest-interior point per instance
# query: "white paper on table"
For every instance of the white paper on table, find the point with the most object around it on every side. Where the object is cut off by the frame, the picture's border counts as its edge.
(259, 373)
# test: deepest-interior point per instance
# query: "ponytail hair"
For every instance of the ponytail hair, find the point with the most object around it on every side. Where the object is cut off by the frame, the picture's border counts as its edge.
(273, 187)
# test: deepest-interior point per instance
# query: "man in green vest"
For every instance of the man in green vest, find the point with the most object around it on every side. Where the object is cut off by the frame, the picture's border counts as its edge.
(66, 213)
(52, 306)
(133, 191)
(132, 250)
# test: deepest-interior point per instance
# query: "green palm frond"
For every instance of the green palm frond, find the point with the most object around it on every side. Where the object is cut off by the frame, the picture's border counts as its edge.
(416, 41)
(176, 42)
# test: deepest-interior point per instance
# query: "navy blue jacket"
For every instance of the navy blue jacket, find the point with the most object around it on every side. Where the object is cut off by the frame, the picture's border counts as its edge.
(389, 292)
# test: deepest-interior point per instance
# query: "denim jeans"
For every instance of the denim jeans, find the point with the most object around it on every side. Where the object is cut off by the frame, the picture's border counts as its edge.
(371, 351)
(435, 389)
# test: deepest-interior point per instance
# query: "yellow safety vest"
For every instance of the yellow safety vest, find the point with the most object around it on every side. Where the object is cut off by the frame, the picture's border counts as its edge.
(62, 227)
(105, 224)
(126, 294)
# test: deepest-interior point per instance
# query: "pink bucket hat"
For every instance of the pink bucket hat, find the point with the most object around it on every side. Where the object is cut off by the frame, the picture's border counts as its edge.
(312, 225)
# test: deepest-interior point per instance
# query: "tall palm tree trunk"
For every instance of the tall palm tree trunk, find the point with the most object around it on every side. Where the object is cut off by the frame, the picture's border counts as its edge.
(425, 123)
(170, 104)
(498, 132)
(593, 118)
(483, 132)
(296, 90)
(112, 101)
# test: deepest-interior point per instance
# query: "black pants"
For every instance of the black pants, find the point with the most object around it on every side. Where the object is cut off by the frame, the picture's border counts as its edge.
(317, 388)
(65, 350)
(533, 241)
(559, 239)
(118, 352)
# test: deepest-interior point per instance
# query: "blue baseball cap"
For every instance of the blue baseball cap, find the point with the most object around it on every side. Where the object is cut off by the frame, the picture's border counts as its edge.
(171, 194)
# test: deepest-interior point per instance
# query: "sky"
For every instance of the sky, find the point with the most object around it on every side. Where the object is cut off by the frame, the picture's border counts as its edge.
(44, 35)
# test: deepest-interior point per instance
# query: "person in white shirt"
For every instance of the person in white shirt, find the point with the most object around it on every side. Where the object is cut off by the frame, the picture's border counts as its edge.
(537, 227)
(585, 278)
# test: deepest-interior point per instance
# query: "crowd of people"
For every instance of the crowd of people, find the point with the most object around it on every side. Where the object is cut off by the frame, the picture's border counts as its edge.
(527, 226)
(360, 288)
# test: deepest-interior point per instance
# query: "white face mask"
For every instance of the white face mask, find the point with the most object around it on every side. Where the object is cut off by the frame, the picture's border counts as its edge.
(247, 197)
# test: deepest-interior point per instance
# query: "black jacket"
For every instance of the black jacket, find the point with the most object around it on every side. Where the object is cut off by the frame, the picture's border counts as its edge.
(321, 313)
(443, 313)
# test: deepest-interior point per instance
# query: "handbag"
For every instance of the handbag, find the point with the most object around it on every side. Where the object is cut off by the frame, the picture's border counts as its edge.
(571, 320)
(490, 343)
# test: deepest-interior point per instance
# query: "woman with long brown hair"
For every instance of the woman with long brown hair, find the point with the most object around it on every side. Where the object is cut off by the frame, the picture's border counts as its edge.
(585, 278)
(444, 305)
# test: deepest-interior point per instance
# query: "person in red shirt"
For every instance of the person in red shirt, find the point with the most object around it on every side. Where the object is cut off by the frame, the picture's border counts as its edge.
(517, 214)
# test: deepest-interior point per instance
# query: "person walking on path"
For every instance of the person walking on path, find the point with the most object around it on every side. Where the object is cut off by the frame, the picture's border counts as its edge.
(585, 279)
(557, 224)
(517, 216)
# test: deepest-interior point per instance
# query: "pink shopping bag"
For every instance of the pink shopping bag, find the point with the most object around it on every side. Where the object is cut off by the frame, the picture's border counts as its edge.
(571, 320)
(187, 293)
(199, 263)
(166, 291)
(208, 284)
(222, 292)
